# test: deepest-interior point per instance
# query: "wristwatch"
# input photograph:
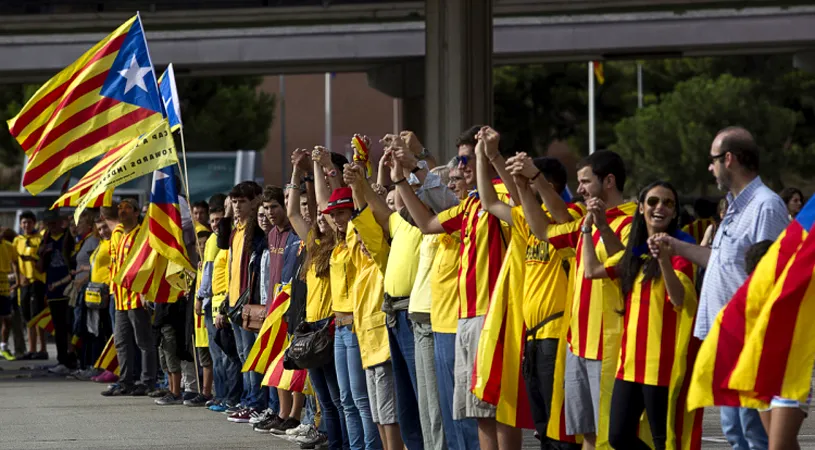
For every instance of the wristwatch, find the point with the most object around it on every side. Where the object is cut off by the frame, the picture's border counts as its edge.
(585, 230)
(424, 154)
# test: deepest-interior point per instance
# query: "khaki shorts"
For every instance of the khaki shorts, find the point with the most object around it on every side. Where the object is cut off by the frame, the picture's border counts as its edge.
(381, 393)
(465, 404)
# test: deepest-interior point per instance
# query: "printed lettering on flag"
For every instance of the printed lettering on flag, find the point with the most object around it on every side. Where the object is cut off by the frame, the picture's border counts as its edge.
(146, 154)
(105, 98)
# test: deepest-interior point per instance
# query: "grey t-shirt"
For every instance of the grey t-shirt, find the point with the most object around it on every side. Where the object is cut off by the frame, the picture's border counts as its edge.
(83, 258)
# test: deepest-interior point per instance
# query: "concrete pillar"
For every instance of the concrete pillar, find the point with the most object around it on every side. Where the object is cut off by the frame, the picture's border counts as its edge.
(458, 70)
(404, 80)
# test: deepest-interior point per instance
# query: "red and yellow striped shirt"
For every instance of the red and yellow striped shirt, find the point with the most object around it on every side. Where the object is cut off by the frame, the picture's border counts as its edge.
(651, 325)
(121, 243)
(697, 229)
(484, 239)
(590, 297)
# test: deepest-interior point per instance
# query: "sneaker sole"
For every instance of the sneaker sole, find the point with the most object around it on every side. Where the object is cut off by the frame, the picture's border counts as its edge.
(263, 431)
(234, 420)
(279, 432)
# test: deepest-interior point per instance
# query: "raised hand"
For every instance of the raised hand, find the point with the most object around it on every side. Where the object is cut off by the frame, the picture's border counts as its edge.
(522, 164)
(300, 160)
(322, 156)
(413, 144)
(597, 208)
(406, 158)
(491, 139)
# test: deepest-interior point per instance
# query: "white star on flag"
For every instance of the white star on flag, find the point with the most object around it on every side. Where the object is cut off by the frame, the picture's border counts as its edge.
(134, 75)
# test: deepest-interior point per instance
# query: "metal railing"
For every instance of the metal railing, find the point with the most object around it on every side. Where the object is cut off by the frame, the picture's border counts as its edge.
(86, 6)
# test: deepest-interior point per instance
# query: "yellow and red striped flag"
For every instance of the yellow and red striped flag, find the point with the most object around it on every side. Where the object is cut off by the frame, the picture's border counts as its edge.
(272, 339)
(762, 343)
(288, 380)
(105, 98)
(497, 376)
(159, 268)
(697, 229)
(75, 193)
(599, 74)
(108, 360)
(43, 320)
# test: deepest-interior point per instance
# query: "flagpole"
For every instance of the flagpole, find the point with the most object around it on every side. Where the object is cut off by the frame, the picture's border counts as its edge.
(328, 110)
(639, 85)
(591, 108)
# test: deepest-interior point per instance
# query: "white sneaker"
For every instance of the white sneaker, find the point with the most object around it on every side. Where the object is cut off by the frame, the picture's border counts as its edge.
(299, 430)
(59, 370)
(258, 417)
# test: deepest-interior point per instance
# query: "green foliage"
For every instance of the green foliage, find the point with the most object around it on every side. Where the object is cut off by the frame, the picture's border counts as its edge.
(225, 113)
(671, 139)
(12, 99)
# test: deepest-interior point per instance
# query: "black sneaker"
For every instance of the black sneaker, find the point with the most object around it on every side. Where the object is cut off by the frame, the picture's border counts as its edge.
(27, 356)
(117, 390)
(158, 393)
(198, 400)
(287, 424)
(42, 356)
(140, 390)
(189, 395)
(169, 399)
(268, 425)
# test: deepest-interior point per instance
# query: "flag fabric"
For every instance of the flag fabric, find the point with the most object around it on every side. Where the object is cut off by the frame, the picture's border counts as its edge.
(75, 193)
(272, 339)
(43, 321)
(108, 360)
(288, 380)
(160, 267)
(103, 99)
(497, 376)
(169, 97)
(150, 152)
(599, 75)
(697, 229)
(762, 343)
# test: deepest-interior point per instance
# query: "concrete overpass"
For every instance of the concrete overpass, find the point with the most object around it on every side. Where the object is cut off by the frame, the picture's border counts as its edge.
(450, 44)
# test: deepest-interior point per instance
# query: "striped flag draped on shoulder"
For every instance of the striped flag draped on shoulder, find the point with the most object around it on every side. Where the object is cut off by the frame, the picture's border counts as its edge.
(762, 343)
(272, 339)
(105, 98)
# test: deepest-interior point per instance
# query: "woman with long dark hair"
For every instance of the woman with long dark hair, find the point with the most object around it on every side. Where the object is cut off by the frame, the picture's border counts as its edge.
(659, 306)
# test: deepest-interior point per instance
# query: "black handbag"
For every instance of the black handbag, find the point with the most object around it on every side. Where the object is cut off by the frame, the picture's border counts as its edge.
(235, 312)
(97, 296)
(310, 348)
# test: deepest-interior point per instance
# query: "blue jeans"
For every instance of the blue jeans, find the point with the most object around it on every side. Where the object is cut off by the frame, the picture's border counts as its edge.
(403, 359)
(362, 432)
(743, 429)
(324, 381)
(225, 371)
(252, 395)
(460, 434)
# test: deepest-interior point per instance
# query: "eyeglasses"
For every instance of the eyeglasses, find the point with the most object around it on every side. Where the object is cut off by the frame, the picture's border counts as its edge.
(666, 202)
(454, 180)
(713, 158)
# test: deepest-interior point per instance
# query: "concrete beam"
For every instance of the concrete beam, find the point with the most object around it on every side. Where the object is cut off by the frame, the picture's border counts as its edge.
(359, 47)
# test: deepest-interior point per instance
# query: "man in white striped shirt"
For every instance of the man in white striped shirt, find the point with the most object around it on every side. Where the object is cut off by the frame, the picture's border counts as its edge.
(755, 213)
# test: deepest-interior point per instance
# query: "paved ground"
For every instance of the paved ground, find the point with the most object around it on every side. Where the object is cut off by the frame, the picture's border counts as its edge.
(38, 411)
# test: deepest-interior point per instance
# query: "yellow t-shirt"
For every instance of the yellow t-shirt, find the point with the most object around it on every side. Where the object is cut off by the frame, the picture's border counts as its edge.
(403, 262)
(343, 272)
(201, 335)
(421, 296)
(7, 255)
(220, 274)
(27, 246)
(235, 257)
(546, 283)
(318, 294)
(100, 263)
(444, 284)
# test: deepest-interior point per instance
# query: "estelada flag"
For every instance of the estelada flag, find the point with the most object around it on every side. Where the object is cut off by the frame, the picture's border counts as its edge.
(108, 360)
(598, 72)
(697, 229)
(105, 98)
(43, 320)
(272, 338)
(288, 380)
(497, 377)
(763, 342)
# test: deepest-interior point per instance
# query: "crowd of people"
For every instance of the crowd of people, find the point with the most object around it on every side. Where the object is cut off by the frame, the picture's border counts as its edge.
(397, 272)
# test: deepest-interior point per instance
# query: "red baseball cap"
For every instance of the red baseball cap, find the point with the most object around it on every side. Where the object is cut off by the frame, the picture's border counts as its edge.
(340, 198)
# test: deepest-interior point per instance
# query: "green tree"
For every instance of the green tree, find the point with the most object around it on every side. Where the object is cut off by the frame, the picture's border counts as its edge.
(225, 113)
(12, 98)
(671, 139)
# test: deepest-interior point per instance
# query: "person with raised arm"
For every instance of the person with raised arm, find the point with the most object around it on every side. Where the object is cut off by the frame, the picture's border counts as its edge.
(659, 308)
(540, 285)
(592, 333)
(484, 241)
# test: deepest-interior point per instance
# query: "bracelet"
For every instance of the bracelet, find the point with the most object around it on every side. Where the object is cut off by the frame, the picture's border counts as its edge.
(416, 169)
(332, 173)
(292, 186)
(536, 176)
(493, 158)
(403, 180)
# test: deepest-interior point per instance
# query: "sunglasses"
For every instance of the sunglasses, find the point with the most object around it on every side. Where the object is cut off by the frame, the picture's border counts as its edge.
(463, 160)
(666, 202)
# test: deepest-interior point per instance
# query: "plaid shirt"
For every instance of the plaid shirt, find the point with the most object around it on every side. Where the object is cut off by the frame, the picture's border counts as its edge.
(755, 215)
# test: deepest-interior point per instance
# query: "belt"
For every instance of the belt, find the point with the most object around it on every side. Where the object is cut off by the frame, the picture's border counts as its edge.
(391, 305)
(534, 330)
(344, 321)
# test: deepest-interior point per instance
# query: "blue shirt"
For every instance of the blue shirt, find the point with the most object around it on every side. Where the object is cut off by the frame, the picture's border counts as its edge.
(756, 214)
